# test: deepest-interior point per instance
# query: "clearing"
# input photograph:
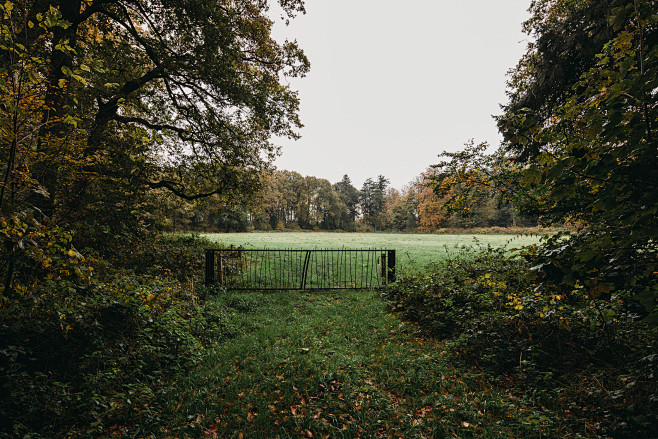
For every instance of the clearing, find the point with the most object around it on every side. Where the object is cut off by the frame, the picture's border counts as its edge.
(338, 364)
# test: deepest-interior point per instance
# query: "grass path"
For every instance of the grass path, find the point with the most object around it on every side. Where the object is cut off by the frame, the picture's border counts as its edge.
(332, 365)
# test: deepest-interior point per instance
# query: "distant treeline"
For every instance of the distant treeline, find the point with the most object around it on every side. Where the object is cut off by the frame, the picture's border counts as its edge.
(290, 201)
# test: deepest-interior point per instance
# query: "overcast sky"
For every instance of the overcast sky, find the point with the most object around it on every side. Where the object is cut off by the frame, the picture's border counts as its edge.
(395, 82)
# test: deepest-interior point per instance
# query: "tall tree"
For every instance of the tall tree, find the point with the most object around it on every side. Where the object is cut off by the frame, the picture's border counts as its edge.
(349, 195)
(176, 95)
(105, 100)
(372, 201)
(581, 122)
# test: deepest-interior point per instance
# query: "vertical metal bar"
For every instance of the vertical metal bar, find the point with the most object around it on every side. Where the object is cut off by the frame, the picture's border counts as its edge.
(210, 267)
(352, 270)
(304, 270)
(340, 267)
(254, 262)
(222, 280)
(243, 268)
(366, 274)
(371, 262)
(277, 264)
(391, 266)
(333, 268)
(300, 268)
(324, 269)
(383, 259)
(268, 268)
(348, 271)
(359, 267)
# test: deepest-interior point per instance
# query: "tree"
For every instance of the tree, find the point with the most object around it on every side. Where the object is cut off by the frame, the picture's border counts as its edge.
(349, 195)
(402, 210)
(371, 199)
(478, 188)
(177, 95)
(105, 101)
(581, 123)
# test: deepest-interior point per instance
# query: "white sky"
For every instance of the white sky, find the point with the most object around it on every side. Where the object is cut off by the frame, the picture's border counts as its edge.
(395, 82)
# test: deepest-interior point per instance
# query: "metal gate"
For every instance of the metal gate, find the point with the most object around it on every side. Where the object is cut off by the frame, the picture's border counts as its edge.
(270, 269)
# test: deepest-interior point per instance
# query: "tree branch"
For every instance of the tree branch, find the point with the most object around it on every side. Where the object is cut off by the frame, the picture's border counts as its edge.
(175, 189)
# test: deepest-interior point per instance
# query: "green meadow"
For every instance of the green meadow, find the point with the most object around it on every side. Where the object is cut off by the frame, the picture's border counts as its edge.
(414, 250)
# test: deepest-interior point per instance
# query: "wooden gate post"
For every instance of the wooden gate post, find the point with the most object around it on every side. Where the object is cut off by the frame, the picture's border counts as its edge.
(210, 267)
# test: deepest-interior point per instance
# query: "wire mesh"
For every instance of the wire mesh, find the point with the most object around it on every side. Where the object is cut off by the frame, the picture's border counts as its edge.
(293, 269)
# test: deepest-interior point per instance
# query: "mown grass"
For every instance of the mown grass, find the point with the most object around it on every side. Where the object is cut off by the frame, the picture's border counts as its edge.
(414, 251)
(337, 364)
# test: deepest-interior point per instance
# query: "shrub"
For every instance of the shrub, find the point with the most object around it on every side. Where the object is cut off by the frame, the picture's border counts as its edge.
(83, 358)
(587, 356)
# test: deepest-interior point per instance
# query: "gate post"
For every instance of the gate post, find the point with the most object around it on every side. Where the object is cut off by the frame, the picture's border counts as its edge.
(210, 267)
(391, 266)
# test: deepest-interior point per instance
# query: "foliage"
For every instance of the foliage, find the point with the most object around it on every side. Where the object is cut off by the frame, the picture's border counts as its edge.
(591, 146)
(481, 188)
(579, 147)
(401, 210)
(109, 105)
(290, 201)
(349, 195)
(106, 107)
(83, 358)
(372, 201)
(584, 356)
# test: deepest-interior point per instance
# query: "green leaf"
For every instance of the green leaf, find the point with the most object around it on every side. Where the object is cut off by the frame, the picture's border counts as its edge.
(70, 120)
(79, 79)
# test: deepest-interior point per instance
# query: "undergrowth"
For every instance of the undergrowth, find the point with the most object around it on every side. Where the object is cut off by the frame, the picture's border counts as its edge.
(85, 357)
(591, 360)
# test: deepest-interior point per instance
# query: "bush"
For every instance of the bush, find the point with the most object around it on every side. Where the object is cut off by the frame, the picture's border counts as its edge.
(85, 358)
(589, 358)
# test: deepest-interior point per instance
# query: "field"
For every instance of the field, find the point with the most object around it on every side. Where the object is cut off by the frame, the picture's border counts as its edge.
(414, 251)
